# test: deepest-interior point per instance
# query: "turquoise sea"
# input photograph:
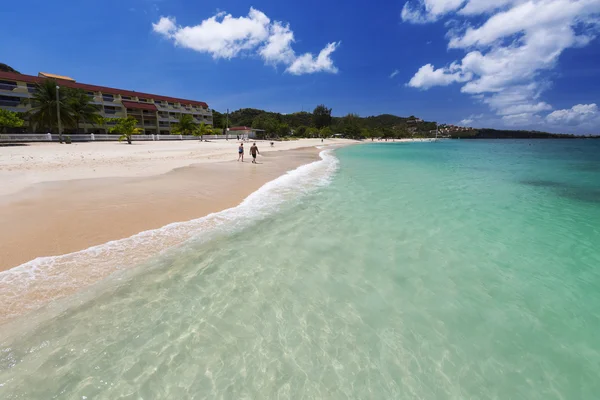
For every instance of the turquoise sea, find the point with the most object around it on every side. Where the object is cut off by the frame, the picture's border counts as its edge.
(448, 270)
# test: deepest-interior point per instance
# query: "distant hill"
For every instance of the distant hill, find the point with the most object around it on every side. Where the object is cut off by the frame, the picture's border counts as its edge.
(8, 68)
(509, 134)
(385, 124)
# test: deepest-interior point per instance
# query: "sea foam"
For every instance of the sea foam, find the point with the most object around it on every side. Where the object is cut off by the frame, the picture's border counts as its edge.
(37, 282)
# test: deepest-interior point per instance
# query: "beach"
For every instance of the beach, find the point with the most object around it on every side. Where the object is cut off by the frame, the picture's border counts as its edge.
(60, 199)
(100, 203)
(389, 270)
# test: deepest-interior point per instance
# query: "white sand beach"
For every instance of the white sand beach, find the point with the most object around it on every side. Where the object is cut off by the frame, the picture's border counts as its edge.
(57, 199)
(23, 166)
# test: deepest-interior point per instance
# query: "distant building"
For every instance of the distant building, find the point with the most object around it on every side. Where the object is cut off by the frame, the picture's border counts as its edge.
(245, 131)
(155, 113)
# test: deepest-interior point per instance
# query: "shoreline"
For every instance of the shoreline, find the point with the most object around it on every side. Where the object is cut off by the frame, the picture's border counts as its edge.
(36, 282)
(61, 217)
(24, 166)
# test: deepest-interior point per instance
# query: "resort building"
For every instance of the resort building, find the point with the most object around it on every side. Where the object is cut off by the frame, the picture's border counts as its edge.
(155, 113)
(246, 132)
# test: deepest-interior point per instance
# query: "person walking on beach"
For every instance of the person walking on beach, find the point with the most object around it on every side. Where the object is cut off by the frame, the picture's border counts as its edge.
(254, 151)
(241, 152)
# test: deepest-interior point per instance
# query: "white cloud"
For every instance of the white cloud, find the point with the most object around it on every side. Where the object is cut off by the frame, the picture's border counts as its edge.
(225, 36)
(581, 113)
(508, 53)
(470, 119)
(165, 26)
(423, 11)
(523, 119)
(528, 18)
(427, 76)
(279, 45)
(393, 74)
(308, 64)
(476, 7)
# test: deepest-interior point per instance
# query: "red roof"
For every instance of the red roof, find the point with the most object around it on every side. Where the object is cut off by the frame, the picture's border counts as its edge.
(139, 106)
(240, 128)
(103, 89)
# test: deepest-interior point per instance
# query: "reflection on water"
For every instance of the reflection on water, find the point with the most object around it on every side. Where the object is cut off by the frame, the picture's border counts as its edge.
(402, 279)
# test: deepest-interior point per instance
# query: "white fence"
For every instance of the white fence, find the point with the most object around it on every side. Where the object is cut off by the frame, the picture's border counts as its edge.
(47, 137)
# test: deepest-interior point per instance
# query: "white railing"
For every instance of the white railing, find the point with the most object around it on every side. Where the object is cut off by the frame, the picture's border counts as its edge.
(25, 137)
(99, 137)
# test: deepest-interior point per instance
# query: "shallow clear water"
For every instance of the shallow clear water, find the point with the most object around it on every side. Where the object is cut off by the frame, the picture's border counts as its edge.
(460, 269)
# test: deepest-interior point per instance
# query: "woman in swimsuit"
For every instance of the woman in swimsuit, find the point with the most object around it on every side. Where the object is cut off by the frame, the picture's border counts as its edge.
(241, 152)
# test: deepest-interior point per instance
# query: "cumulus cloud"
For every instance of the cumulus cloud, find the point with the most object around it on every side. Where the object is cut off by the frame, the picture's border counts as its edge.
(225, 36)
(581, 113)
(427, 76)
(279, 45)
(508, 51)
(393, 74)
(470, 119)
(165, 26)
(423, 11)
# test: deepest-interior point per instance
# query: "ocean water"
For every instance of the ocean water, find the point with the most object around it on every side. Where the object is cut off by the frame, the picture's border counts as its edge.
(448, 270)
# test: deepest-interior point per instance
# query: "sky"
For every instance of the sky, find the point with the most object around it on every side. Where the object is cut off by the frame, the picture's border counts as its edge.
(508, 64)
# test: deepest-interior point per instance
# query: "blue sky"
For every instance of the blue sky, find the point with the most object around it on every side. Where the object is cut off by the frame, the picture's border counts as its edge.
(496, 63)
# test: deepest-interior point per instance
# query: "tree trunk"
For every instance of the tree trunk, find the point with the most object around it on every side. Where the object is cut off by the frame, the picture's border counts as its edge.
(128, 139)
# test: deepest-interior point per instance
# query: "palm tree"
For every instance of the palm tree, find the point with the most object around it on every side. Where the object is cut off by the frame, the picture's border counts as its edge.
(81, 108)
(185, 126)
(126, 127)
(202, 130)
(44, 105)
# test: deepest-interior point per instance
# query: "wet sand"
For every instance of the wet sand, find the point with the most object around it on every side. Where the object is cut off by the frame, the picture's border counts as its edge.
(54, 218)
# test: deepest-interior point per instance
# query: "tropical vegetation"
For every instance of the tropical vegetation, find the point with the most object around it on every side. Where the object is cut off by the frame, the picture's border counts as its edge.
(9, 119)
(78, 104)
(7, 68)
(321, 123)
(126, 127)
(185, 125)
(73, 105)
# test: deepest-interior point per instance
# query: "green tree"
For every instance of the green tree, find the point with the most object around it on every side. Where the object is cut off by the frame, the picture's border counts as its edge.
(9, 119)
(301, 131)
(44, 107)
(218, 119)
(298, 119)
(351, 126)
(185, 126)
(321, 116)
(313, 132)
(78, 103)
(126, 127)
(283, 130)
(325, 132)
(265, 122)
(202, 130)
(8, 68)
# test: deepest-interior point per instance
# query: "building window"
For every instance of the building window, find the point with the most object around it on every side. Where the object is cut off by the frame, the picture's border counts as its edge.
(143, 100)
(110, 110)
(171, 104)
(126, 97)
(9, 101)
(8, 85)
(31, 87)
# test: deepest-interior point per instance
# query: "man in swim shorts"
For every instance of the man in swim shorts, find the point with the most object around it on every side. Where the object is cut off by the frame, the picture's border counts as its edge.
(254, 151)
